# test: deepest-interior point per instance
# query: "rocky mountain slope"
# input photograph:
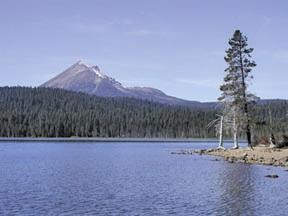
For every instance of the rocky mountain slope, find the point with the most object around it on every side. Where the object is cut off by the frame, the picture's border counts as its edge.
(82, 77)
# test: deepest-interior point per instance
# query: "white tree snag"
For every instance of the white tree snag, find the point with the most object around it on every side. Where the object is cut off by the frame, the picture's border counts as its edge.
(221, 133)
(235, 133)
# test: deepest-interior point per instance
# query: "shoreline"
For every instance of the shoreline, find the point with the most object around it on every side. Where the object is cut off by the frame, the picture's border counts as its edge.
(98, 139)
(259, 155)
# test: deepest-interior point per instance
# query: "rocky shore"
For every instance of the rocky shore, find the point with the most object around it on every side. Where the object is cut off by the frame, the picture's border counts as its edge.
(259, 155)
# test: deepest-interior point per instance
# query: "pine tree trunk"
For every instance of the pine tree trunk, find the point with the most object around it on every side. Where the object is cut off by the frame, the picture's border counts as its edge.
(248, 130)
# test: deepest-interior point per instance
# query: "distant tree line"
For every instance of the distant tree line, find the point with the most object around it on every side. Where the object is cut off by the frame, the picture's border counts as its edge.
(44, 112)
(271, 117)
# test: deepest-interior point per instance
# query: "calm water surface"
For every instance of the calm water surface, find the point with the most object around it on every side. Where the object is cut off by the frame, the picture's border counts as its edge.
(133, 179)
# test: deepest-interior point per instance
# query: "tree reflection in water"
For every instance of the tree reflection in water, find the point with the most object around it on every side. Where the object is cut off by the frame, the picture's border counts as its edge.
(237, 190)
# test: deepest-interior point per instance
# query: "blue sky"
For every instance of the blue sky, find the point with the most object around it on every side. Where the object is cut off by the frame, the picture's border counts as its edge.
(173, 45)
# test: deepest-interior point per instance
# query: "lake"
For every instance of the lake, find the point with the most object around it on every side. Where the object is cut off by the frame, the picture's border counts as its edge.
(133, 179)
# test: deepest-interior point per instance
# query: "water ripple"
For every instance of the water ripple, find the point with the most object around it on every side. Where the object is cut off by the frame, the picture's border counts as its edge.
(132, 179)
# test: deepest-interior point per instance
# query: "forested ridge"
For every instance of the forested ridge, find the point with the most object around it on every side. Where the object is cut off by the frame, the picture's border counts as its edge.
(45, 112)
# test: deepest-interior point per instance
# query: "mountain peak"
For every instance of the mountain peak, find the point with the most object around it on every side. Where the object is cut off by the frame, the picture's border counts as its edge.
(82, 62)
(90, 67)
(83, 77)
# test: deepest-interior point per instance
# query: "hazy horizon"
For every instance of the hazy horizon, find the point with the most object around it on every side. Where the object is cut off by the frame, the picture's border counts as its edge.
(176, 46)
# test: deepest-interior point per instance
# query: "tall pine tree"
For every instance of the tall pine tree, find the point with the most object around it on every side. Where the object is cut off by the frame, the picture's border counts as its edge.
(235, 94)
